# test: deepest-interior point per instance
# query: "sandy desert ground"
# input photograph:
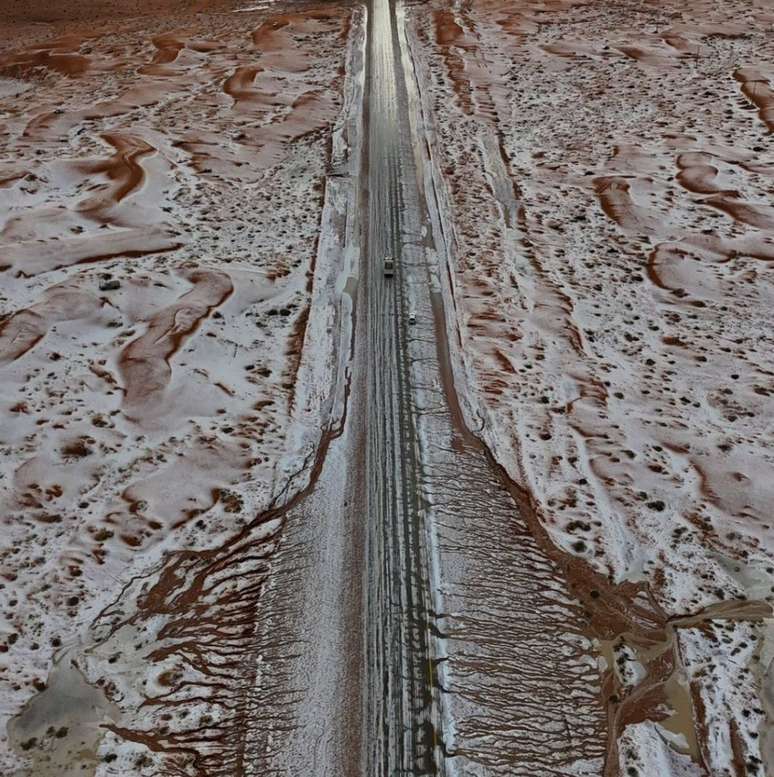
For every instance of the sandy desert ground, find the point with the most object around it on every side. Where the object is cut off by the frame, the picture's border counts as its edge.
(178, 245)
(169, 249)
(605, 174)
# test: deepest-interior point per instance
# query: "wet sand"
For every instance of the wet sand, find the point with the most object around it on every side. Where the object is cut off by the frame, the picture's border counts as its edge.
(167, 336)
(166, 342)
(604, 181)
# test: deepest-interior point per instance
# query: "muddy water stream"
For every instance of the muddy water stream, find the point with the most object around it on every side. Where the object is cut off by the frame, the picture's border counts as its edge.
(641, 677)
(179, 648)
(517, 625)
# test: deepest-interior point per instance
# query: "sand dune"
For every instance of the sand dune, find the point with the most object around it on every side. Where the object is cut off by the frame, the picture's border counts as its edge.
(32, 258)
(756, 87)
(605, 191)
(145, 362)
(24, 329)
(153, 323)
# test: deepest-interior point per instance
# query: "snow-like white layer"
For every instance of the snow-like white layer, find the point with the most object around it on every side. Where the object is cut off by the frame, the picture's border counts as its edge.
(605, 197)
(725, 661)
(614, 323)
(12, 86)
(190, 168)
(644, 751)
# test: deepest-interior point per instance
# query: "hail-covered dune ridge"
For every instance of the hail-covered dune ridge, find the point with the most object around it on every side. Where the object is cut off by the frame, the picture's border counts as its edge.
(604, 174)
(171, 245)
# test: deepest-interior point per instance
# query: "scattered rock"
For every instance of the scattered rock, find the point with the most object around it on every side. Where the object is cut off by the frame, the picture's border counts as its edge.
(109, 285)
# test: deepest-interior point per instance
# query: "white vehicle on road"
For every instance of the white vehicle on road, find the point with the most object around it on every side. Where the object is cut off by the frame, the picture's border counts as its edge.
(389, 267)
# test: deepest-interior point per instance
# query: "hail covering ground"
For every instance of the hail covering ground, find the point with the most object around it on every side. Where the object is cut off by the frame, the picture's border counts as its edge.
(578, 197)
(606, 176)
(187, 161)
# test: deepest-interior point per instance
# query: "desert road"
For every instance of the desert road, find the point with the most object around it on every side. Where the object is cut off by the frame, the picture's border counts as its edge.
(432, 608)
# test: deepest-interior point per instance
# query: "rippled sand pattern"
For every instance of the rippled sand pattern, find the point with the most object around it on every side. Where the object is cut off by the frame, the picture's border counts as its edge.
(606, 173)
(162, 186)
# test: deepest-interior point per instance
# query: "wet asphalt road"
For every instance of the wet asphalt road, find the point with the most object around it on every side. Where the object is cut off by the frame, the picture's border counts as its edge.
(399, 699)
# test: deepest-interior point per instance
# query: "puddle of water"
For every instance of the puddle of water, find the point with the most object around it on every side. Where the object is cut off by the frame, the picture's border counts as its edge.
(681, 722)
(679, 729)
(60, 729)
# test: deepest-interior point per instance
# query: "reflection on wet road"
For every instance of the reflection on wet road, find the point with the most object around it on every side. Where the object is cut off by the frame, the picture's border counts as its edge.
(401, 738)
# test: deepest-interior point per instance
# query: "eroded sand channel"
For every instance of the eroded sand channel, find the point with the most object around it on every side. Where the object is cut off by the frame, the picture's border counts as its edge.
(602, 176)
(174, 185)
